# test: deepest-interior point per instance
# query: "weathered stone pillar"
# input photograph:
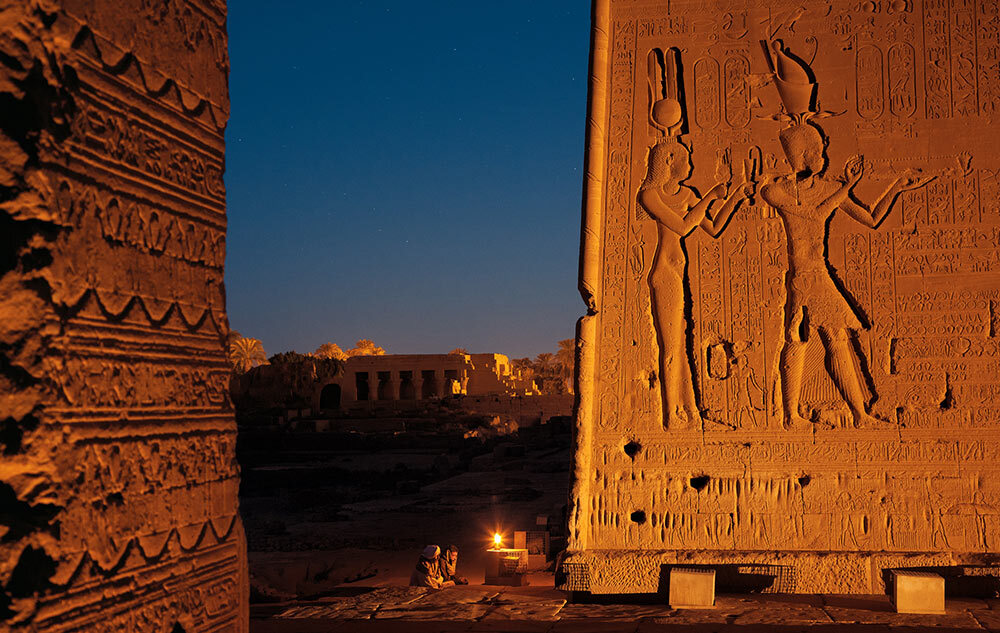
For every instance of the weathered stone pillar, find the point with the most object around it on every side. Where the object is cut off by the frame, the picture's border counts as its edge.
(350, 388)
(393, 385)
(118, 442)
(418, 384)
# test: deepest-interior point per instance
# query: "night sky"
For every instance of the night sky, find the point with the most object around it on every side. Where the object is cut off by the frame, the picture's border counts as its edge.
(408, 172)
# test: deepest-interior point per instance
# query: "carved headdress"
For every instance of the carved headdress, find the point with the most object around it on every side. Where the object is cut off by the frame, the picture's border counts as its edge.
(666, 114)
(666, 103)
(793, 78)
(796, 84)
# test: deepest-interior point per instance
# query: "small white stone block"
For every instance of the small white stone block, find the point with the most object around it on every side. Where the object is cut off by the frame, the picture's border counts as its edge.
(692, 588)
(918, 592)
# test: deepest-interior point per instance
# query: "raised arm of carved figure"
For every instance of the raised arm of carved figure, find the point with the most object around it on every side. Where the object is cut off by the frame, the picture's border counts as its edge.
(736, 197)
(841, 197)
(872, 217)
(679, 223)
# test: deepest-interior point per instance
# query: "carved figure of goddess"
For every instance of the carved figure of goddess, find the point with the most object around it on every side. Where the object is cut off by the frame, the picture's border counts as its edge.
(805, 200)
(678, 210)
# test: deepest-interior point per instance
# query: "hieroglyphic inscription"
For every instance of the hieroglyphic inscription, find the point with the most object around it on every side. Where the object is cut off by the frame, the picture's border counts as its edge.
(902, 80)
(617, 206)
(871, 98)
(706, 86)
(937, 58)
(840, 325)
(737, 96)
(988, 55)
(964, 71)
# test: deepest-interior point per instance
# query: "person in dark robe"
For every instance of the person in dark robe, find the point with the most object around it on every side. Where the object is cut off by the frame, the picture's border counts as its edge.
(448, 565)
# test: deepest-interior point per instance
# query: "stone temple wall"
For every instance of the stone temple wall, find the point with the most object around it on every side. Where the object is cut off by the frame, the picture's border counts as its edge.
(118, 479)
(791, 359)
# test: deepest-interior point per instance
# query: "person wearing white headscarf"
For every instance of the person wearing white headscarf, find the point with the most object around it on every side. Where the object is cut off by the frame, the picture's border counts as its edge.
(428, 571)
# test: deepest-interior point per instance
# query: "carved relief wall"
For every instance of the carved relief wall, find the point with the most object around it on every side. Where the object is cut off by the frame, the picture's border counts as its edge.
(118, 478)
(790, 259)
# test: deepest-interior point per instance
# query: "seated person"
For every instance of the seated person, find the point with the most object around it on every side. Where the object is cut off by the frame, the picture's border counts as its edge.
(448, 564)
(428, 571)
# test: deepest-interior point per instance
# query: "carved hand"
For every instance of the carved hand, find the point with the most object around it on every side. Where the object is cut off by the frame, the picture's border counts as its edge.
(718, 192)
(912, 180)
(854, 169)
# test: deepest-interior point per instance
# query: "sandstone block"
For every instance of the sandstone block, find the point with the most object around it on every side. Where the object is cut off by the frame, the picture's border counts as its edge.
(917, 592)
(692, 588)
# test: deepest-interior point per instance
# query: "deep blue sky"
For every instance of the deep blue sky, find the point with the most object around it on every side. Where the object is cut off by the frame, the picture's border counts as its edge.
(408, 172)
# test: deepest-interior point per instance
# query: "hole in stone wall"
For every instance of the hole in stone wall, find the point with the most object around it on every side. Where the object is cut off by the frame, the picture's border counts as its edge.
(22, 518)
(699, 482)
(639, 516)
(949, 399)
(10, 436)
(632, 449)
(804, 480)
(31, 574)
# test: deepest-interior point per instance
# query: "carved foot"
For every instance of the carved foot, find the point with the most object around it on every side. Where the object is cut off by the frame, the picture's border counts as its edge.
(678, 423)
(864, 420)
(714, 425)
(797, 423)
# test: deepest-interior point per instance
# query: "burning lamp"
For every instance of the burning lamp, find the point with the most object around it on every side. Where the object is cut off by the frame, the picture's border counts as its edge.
(505, 566)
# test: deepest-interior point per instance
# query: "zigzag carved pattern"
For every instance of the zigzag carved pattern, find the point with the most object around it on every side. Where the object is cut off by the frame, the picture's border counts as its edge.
(171, 313)
(168, 90)
(151, 551)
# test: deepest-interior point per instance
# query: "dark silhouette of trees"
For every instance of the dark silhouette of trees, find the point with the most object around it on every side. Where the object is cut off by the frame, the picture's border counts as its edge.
(553, 373)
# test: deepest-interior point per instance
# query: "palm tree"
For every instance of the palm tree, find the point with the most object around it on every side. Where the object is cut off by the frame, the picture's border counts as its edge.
(564, 359)
(330, 350)
(544, 360)
(366, 347)
(246, 353)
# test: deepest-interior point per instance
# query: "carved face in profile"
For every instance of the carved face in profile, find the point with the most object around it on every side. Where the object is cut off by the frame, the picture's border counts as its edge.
(805, 148)
(669, 161)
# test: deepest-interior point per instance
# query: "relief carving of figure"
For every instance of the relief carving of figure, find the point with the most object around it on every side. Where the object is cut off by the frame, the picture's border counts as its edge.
(805, 200)
(678, 210)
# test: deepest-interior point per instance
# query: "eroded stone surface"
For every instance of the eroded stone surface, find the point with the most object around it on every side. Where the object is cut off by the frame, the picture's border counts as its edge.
(515, 609)
(118, 473)
(790, 358)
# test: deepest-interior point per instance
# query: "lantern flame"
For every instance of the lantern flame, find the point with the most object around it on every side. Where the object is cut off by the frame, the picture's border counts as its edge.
(497, 540)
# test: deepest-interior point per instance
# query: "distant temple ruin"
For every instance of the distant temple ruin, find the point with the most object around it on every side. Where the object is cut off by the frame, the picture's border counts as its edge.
(391, 377)
(362, 385)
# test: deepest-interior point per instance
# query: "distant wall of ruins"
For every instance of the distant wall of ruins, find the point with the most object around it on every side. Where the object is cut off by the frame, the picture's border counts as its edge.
(791, 358)
(118, 479)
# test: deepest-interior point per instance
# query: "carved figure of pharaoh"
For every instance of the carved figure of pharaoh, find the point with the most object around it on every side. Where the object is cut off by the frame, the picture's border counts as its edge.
(805, 200)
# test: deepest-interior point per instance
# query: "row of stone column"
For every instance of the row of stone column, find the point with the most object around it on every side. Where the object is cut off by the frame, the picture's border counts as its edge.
(404, 384)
